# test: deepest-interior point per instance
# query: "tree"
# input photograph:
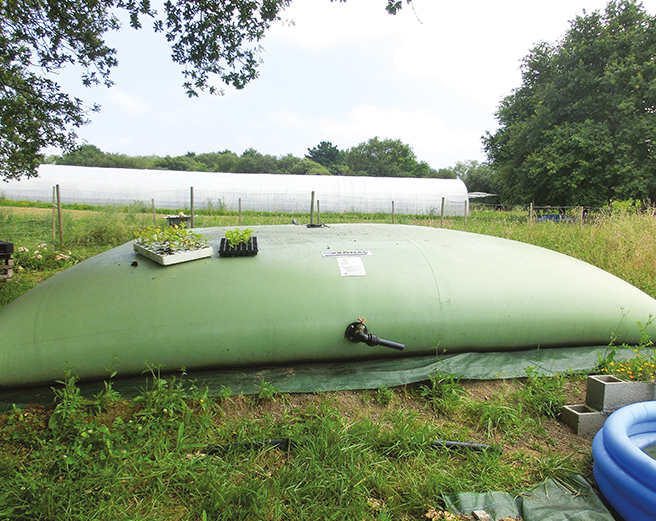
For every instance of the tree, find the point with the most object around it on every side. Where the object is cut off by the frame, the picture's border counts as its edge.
(86, 155)
(581, 128)
(445, 173)
(179, 163)
(38, 38)
(252, 162)
(327, 155)
(476, 176)
(382, 158)
(217, 161)
(385, 158)
(90, 155)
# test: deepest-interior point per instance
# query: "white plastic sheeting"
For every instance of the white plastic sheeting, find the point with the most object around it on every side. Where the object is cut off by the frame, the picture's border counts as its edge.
(258, 192)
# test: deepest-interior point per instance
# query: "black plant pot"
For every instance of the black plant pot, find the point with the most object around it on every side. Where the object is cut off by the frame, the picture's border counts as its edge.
(245, 249)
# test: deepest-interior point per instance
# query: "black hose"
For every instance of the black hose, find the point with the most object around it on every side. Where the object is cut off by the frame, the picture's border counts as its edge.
(287, 444)
(464, 445)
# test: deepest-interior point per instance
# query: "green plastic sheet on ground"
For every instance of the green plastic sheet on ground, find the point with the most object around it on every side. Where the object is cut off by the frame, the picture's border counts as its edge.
(392, 372)
(548, 501)
(369, 374)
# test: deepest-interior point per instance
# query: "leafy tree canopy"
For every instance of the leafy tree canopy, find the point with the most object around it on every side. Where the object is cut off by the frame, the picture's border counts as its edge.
(327, 155)
(581, 128)
(216, 38)
(477, 177)
(386, 158)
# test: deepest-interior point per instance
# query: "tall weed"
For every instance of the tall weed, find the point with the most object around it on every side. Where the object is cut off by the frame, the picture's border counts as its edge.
(543, 395)
(444, 391)
(109, 227)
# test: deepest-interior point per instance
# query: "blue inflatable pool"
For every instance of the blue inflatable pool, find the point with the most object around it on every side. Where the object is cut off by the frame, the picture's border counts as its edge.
(625, 473)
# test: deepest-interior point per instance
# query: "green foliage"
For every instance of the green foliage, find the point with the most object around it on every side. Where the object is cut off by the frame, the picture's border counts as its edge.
(628, 207)
(181, 163)
(90, 155)
(384, 158)
(252, 162)
(170, 239)
(444, 391)
(37, 40)
(384, 396)
(579, 130)
(389, 158)
(640, 368)
(224, 393)
(217, 161)
(497, 416)
(327, 155)
(267, 391)
(477, 177)
(150, 457)
(35, 113)
(543, 395)
(236, 237)
(42, 258)
(110, 226)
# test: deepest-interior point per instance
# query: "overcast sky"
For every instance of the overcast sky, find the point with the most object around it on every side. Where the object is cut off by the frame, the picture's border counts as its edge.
(341, 72)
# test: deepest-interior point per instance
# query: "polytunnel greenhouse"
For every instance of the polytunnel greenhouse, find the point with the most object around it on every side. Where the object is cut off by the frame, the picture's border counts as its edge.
(255, 192)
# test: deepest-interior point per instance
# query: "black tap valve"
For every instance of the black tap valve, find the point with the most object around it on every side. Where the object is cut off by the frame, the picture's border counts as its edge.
(357, 332)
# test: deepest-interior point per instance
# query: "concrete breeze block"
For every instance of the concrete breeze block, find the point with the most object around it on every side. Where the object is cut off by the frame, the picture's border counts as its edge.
(583, 420)
(608, 393)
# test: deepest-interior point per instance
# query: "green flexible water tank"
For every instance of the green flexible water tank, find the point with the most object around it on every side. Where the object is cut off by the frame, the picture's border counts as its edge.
(422, 287)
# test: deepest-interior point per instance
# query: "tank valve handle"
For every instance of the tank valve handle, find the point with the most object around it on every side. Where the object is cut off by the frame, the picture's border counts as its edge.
(357, 332)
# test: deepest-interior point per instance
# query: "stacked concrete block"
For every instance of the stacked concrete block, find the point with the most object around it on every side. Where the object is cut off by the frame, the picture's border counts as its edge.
(6, 261)
(605, 394)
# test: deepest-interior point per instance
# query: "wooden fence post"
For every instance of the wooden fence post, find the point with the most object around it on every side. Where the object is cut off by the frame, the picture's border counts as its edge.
(59, 214)
(442, 214)
(312, 209)
(54, 213)
(191, 196)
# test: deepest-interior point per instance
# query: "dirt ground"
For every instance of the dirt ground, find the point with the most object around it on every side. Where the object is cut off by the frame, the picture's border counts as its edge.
(361, 404)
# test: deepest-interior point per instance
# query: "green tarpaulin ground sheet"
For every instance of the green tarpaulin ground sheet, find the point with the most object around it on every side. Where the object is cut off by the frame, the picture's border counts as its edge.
(391, 372)
(370, 374)
(548, 501)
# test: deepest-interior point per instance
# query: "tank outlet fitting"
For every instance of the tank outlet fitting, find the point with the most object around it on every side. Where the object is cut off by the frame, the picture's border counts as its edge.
(357, 332)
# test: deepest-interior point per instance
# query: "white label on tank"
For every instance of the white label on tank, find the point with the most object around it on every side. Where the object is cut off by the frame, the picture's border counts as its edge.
(346, 253)
(351, 266)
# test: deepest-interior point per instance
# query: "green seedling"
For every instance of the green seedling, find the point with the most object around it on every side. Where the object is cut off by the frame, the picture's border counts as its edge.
(236, 237)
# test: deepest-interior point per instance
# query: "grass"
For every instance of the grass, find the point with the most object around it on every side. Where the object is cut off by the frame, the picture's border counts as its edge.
(175, 453)
(623, 244)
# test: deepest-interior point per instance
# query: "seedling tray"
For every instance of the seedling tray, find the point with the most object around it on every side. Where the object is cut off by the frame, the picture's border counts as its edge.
(174, 258)
(245, 249)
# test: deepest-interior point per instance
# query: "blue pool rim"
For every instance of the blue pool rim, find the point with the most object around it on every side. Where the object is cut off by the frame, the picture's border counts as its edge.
(625, 474)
